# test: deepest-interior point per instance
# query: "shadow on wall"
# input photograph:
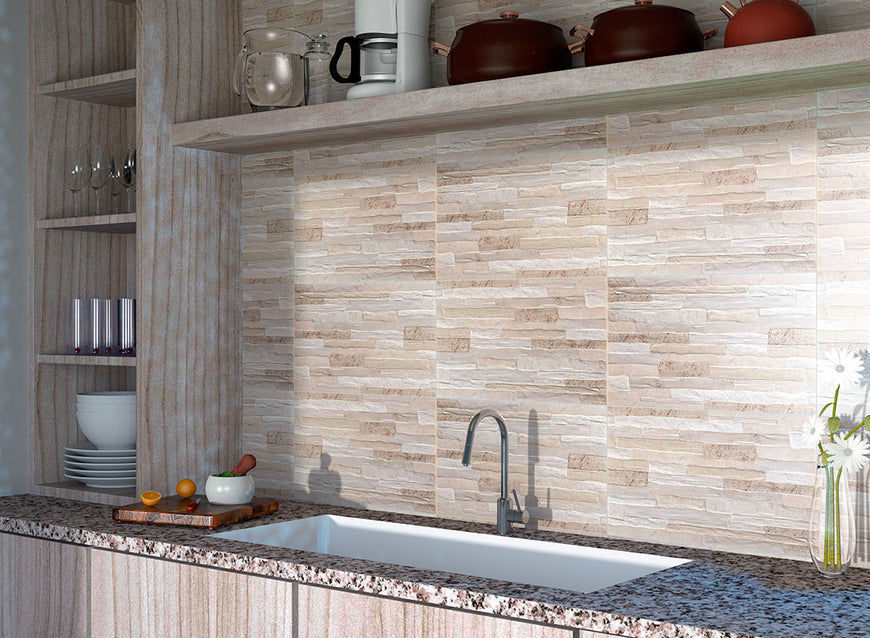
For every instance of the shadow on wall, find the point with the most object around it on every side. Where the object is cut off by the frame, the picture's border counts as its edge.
(532, 504)
(13, 206)
(324, 485)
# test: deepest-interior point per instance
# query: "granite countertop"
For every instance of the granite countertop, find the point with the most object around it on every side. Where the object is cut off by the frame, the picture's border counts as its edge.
(717, 595)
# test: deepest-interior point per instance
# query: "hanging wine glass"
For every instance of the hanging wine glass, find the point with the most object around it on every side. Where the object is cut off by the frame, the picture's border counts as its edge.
(99, 175)
(128, 177)
(75, 178)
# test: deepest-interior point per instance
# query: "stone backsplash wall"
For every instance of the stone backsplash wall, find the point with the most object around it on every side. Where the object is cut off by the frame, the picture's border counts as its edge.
(642, 296)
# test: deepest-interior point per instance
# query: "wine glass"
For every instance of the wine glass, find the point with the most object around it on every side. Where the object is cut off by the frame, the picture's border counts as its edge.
(75, 178)
(128, 177)
(116, 176)
(99, 165)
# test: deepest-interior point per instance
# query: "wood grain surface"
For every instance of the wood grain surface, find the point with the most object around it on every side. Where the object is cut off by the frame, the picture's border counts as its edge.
(189, 247)
(332, 613)
(112, 89)
(172, 510)
(839, 60)
(133, 596)
(70, 40)
(45, 588)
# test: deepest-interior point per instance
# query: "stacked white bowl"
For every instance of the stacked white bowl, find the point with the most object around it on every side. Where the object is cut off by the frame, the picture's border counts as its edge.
(108, 419)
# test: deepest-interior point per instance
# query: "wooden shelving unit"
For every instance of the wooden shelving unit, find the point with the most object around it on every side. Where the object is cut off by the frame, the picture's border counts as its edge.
(789, 67)
(97, 79)
(124, 223)
(111, 89)
(86, 360)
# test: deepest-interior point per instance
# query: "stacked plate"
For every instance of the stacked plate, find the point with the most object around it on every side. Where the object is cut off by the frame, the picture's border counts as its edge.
(100, 468)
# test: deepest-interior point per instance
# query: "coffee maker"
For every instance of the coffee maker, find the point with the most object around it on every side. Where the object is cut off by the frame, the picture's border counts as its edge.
(390, 51)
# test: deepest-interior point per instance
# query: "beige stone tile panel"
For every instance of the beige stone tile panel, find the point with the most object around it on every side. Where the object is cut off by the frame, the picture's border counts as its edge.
(557, 456)
(366, 213)
(713, 204)
(534, 339)
(844, 180)
(372, 451)
(724, 481)
(729, 356)
(522, 201)
(366, 338)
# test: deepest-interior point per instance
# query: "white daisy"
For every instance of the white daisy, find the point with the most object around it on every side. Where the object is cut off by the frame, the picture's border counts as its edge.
(813, 431)
(848, 454)
(839, 367)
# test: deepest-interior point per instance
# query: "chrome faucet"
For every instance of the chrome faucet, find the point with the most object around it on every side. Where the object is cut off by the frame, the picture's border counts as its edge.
(506, 514)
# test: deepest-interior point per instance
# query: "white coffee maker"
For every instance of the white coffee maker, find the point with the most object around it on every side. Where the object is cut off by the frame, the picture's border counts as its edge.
(390, 51)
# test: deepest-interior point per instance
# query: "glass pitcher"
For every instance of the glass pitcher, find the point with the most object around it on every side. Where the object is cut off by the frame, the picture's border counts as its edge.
(268, 71)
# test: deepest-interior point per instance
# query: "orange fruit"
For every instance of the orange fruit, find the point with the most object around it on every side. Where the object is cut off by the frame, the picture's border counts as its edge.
(151, 497)
(185, 488)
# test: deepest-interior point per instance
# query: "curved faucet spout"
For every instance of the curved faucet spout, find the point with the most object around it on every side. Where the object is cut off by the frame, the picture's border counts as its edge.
(502, 428)
(506, 515)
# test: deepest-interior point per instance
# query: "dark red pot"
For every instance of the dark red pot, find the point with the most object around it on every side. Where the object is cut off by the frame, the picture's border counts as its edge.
(643, 30)
(507, 47)
(766, 21)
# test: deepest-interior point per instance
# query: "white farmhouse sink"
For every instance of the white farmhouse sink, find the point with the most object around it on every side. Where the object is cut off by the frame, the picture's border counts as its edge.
(518, 560)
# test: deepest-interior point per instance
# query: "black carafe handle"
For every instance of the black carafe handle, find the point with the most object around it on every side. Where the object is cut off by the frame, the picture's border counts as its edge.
(353, 77)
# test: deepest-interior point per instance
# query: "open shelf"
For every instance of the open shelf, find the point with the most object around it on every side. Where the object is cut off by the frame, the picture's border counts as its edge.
(789, 67)
(124, 223)
(86, 360)
(81, 492)
(112, 89)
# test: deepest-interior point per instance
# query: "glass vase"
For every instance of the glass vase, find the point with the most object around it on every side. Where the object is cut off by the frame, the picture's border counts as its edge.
(832, 521)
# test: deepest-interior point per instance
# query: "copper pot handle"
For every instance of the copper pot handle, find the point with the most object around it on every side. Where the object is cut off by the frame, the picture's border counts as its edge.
(440, 49)
(581, 27)
(709, 34)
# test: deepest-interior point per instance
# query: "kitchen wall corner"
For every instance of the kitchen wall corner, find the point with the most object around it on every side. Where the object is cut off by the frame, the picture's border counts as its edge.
(13, 246)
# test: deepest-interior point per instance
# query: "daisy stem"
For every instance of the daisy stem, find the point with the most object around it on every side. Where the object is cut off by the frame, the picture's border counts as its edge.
(856, 428)
(834, 408)
(828, 516)
(837, 515)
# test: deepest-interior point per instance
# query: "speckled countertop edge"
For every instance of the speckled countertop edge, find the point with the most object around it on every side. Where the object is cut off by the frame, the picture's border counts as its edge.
(718, 595)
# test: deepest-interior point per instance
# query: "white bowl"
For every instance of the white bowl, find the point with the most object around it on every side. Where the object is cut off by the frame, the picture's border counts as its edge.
(107, 395)
(109, 430)
(229, 490)
(110, 409)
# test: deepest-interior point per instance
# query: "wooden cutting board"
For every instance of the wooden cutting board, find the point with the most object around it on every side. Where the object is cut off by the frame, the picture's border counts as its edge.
(172, 510)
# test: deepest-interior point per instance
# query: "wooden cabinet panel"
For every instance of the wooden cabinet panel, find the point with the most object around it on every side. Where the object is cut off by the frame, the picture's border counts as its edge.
(44, 588)
(146, 597)
(330, 613)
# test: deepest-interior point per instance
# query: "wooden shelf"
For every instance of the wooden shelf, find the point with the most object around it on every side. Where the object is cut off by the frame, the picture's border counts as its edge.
(124, 223)
(81, 492)
(112, 89)
(789, 67)
(86, 360)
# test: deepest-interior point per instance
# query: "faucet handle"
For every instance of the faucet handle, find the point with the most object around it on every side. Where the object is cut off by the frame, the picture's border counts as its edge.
(517, 515)
(517, 500)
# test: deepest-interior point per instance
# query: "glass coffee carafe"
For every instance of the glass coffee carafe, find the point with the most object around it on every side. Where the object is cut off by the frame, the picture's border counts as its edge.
(269, 72)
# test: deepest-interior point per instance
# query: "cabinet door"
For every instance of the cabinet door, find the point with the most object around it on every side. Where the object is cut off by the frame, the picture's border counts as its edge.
(45, 588)
(137, 597)
(330, 613)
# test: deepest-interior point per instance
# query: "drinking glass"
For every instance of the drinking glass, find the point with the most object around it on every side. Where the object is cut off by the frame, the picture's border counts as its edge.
(99, 166)
(128, 177)
(75, 178)
(96, 342)
(79, 326)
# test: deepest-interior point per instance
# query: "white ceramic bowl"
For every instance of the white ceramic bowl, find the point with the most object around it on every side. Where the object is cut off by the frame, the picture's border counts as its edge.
(109, 430)
(229, 490)
(121, 396)
(113, 409)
